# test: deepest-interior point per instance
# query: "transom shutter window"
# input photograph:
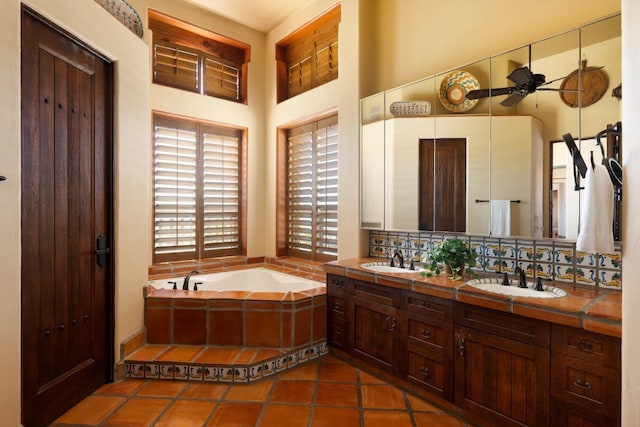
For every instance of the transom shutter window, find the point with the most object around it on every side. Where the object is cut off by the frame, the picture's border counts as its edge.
(194, 59)
(308, 58)
(196, 190)
(312, 216)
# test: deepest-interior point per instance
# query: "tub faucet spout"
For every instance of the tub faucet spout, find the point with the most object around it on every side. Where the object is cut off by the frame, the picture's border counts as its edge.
(185, 284)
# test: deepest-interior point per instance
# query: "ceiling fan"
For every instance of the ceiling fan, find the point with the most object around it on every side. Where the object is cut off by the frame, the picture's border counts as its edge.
(526, 83)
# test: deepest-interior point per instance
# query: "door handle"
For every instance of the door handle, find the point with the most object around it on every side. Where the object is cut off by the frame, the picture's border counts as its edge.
(102, 250)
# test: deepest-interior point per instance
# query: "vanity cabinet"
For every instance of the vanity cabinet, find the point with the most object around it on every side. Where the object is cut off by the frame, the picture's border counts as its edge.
(504, 369)
(501, 369)
(585, 387)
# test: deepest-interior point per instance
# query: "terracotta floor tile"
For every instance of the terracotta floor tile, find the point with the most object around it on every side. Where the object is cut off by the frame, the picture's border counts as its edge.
(197, 390)
(126, 387)
(138, 412)
(229, 414)
(418, 404)
(367, 378)
(246, 356)
(219, 355)
(338, 372)
(387, 418)
(92, 410)
(295, 415)
(162, 388)
(267, 353)
(337, 394)
(293, 391)
(382, 397)
(183, 353)
(437, 420)
(308, 371)
(186, 413)
(257, 391)
(148, 352)
(335, 417)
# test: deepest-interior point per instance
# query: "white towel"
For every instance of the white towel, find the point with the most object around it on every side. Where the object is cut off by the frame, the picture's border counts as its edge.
(596, 213)
(500, 218)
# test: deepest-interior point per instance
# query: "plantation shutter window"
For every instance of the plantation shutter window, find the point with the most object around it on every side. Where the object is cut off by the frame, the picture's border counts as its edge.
(308, 58)
(312, 185)
(194, 59)
(197, 187)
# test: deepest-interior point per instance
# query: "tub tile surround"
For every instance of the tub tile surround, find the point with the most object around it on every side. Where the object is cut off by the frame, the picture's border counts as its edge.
(549, 259)
(216, 364)
(227, 336)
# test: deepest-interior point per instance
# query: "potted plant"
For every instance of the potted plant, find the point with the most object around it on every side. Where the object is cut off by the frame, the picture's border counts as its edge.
(454, 255)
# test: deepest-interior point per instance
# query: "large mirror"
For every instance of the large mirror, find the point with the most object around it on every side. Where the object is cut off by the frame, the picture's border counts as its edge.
(459, 170)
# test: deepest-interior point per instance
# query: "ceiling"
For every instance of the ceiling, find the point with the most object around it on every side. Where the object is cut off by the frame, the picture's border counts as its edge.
(261, 15)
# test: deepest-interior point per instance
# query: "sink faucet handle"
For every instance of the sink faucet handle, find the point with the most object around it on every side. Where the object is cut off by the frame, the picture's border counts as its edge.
(505, 279)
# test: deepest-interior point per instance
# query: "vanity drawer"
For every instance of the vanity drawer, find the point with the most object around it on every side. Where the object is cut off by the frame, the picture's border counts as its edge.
(337, 306)
(431, 307)
(336, 285)
(431, 336)
(432, 375)
(588, 346)
(338, 334)
(375, 293)
(588, 385)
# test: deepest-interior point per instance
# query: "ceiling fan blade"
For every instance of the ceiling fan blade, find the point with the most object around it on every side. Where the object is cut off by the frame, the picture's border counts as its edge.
(485, 93)
(521, 76)
(513, 99)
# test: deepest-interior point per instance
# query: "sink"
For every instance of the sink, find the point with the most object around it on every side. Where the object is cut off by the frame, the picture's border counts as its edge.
(495, 286)
(380, 267)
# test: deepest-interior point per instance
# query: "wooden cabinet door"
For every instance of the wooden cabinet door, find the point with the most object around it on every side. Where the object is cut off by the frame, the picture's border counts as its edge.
(374, 334)
(503, 381)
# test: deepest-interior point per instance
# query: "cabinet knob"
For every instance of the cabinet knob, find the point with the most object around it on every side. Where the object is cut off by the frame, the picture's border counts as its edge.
(425, 372)
(585, 346)
(425, 334)
(391, 324)
(337, 283)
(337, 305)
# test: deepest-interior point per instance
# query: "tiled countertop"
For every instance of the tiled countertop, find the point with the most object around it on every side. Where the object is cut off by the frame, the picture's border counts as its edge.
(594, 310)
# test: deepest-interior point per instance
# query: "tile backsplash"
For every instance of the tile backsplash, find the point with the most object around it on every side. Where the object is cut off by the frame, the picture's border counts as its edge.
(549, 259)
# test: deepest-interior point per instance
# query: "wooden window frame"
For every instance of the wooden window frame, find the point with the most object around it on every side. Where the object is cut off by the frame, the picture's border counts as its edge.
(282, 170)
(201, 251)
(303, 45)
(170, 31)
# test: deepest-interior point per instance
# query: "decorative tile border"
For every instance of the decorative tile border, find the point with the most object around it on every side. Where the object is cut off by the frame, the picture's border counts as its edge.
(224, 373)
(549, 259)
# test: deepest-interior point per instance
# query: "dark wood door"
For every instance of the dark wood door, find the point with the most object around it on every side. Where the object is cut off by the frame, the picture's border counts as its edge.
(443, 190)
(67, 297)
(503, 381)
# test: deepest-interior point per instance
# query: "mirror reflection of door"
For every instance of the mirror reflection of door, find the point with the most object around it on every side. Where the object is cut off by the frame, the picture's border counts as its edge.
(443, 194)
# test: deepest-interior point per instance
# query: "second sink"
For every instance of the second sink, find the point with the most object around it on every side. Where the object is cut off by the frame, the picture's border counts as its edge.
(495, 286)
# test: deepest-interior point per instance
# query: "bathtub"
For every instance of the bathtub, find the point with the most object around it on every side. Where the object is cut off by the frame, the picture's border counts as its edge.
(252, 307)
(257, 279)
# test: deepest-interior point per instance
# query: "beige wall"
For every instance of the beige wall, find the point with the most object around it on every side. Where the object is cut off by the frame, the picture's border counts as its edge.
(404, 40)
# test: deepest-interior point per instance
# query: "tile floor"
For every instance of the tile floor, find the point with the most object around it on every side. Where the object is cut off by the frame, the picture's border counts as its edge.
(325, 392)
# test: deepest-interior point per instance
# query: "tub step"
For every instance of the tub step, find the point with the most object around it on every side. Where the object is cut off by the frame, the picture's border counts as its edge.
(216, 363)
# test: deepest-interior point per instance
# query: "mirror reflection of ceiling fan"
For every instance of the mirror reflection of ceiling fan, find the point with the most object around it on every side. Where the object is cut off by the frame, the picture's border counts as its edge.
(526, 83)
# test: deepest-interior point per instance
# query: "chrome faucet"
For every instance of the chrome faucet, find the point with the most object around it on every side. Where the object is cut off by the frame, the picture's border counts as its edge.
(185, 284)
